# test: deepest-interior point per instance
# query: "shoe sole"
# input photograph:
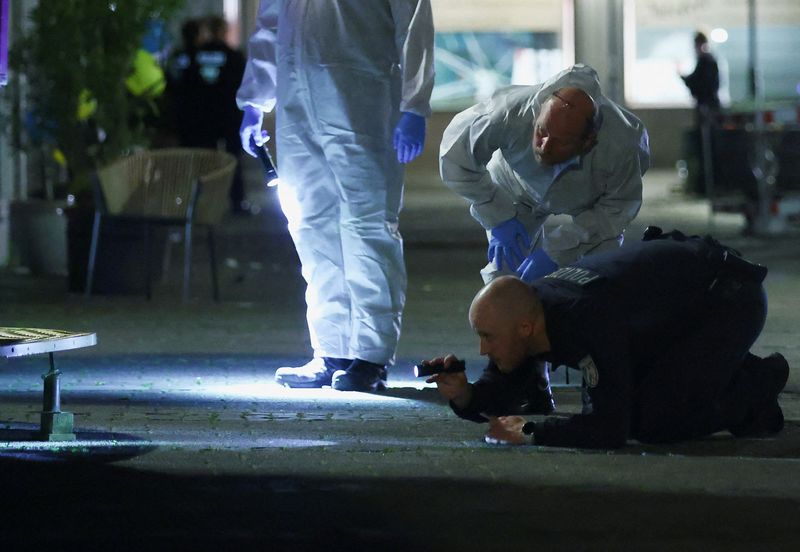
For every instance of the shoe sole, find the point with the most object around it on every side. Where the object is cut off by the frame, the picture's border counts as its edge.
(783, 375)
(776, 411)
(378, 388)
(315, 384)
(303, 385)
(770, 420)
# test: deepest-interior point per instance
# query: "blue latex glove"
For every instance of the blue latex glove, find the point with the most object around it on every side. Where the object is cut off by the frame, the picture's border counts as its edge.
(507, 242)
(252, 120)
(409, 136)
(537, 265)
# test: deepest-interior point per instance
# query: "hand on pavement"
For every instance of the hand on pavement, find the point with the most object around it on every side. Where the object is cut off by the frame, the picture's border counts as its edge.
(506, 430)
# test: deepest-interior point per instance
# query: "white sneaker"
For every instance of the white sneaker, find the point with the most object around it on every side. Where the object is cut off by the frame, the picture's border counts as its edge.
(310, 375)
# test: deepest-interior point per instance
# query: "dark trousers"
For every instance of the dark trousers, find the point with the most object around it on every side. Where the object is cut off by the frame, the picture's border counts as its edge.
(708, 381)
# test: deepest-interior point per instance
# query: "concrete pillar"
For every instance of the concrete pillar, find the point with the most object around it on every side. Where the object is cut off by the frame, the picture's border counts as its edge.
(248, 13)
(599, 42)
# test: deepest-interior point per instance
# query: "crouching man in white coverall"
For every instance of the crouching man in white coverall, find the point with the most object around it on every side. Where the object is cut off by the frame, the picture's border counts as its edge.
(529, 152)
(351, 82)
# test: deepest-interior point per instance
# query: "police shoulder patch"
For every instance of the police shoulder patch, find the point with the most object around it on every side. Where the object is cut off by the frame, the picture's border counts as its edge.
(589, 369)
(574, 275)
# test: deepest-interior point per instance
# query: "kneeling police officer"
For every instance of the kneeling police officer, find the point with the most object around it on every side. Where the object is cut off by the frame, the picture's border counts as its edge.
(661, 330)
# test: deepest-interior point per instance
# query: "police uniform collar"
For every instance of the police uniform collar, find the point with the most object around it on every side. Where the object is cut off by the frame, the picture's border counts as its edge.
(556, 353)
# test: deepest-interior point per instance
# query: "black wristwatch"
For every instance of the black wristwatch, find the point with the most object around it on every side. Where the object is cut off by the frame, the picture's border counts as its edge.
(528, 429)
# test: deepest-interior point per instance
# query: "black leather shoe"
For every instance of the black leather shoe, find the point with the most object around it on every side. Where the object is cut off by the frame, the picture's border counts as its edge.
(767, 421)
(361, 376)
(768, 418)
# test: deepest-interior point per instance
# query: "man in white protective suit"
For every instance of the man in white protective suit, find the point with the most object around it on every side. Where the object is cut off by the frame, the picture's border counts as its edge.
(529, 152)
(351, 82)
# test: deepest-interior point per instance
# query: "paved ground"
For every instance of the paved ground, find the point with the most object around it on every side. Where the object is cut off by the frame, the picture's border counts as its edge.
(185, 442)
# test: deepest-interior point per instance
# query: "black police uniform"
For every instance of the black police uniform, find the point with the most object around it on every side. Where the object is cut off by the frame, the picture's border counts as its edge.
(703, 83)
(661, 330)
(526, 390)
(219, 72)
(204, 87)
(183, 101)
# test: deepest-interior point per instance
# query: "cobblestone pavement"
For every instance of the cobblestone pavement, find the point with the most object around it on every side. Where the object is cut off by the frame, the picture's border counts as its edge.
(184, 442)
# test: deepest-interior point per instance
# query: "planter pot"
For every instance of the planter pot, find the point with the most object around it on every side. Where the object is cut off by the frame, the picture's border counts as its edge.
(120, 267)
(52, 237)
(39, 235)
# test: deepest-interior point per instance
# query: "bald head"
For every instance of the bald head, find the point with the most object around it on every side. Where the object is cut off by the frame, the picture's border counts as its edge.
(576, 105)
(509, 320)
(566, 126)
(508, 296)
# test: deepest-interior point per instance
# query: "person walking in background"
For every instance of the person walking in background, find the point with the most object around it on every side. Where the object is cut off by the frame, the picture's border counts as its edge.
(703, 84)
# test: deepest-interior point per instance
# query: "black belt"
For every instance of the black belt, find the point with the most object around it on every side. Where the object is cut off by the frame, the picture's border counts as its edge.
(732, 269)
(733, 273)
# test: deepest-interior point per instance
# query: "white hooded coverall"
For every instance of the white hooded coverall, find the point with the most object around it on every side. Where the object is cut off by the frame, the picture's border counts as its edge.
(339, 72)
(487, 157)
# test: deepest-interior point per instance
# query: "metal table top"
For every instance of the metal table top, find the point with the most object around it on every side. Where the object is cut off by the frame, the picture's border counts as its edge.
(15, 342)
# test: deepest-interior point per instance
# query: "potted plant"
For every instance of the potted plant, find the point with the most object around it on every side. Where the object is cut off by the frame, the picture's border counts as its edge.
(86, 101)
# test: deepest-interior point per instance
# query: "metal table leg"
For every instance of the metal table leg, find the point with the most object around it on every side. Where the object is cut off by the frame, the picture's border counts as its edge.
(56, 425)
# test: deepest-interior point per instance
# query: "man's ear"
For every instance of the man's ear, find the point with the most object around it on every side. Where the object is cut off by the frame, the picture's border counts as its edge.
(525, 328)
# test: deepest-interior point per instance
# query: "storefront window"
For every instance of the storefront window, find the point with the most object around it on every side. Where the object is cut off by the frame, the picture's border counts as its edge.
(482, 46)
(658, 48)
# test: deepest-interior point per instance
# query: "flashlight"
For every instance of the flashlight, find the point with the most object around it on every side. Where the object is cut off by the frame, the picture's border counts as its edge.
(425, 370)
(262, 152)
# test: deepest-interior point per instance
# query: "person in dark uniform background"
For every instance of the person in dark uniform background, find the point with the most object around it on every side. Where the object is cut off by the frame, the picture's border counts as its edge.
(661, 330)
(182, 107)
(204, 78)
(703, 84)
(220, 69)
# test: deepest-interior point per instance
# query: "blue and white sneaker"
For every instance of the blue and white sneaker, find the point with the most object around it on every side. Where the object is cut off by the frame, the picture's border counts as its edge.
(313, 374)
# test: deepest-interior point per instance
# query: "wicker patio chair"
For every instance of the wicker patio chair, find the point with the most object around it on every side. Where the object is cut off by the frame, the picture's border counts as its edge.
(171, 187)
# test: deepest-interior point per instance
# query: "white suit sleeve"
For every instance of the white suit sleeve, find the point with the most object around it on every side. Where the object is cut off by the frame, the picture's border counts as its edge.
(598, 229)
(414, 39)
(260, 75)
(468, 143)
